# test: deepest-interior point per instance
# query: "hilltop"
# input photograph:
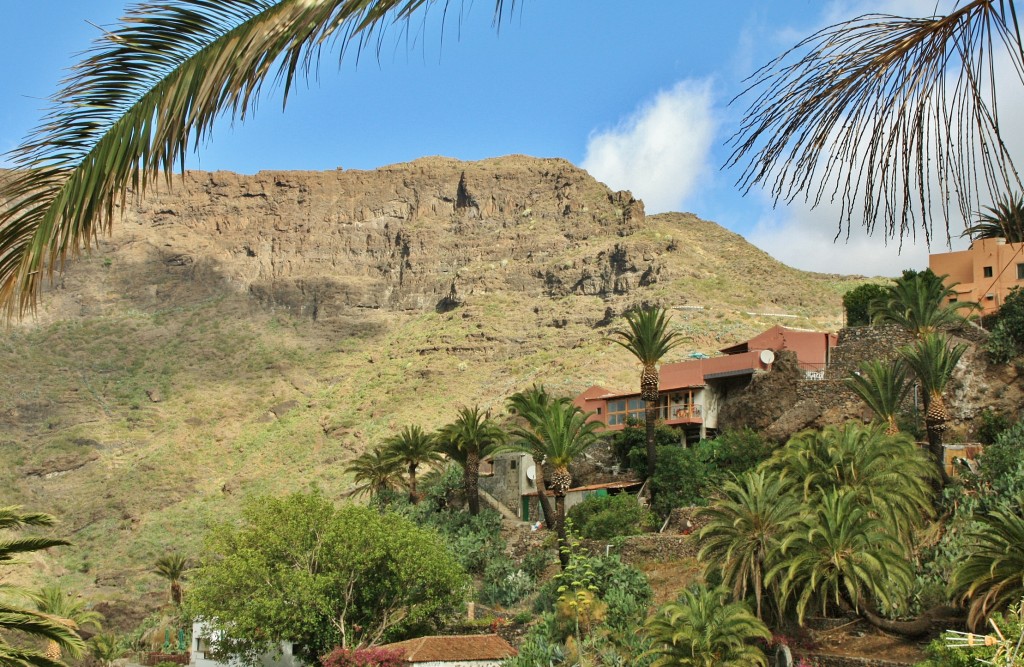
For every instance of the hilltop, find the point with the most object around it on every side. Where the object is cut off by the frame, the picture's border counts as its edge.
(249, 334)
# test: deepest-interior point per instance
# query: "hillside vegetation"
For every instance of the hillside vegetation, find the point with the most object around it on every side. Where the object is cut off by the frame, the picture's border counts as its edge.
(251, 334)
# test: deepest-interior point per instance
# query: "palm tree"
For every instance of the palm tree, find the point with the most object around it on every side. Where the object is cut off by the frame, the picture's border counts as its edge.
(933, 359)
(1003, 220)
(702, 629)
(472, 436)
(920, 304)
(992, 575)
(14, 618)
(649, 340)
(841, 554)
(106, 648)
(374, 471)
(744, 529)
(172, 567)
(64, 608)
(886, 474)
(530, 405)
(412, 448)
(861, 113)
(560, 434)
(883, 387)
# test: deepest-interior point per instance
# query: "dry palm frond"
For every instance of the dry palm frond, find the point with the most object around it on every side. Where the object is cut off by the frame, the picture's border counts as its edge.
(892, 116)
(150, 89)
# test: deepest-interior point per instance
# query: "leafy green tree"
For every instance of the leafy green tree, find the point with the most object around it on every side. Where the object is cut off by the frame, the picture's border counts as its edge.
(1001, 464)
(300, 569)
(605, 517)
(472, 436)
(992, 575)
(17, 619)
(883, 387)
(529, 406)
(1004, 219)
(633, 436)
(919, 302)
(67, 609)
(1007, 338)
(172, 567)
(413, 448)
(745, 528)
(840, 554)
(857, 303)
(648, 338)
(933, 359)
(375, 472)
(703, 629)
(735, 451)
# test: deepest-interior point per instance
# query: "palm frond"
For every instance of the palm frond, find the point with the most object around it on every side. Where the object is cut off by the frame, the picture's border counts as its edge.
(888, 117)
(148, 90)
(1004, 219)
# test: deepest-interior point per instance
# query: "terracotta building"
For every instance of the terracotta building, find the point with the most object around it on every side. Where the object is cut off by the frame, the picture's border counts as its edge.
(693, 390)
(986, 272)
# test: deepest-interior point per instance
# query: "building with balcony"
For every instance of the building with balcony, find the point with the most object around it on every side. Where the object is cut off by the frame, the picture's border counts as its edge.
(986, 272)
(693, 390)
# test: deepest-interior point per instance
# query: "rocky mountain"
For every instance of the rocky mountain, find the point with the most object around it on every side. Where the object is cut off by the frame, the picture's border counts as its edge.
(250, 334)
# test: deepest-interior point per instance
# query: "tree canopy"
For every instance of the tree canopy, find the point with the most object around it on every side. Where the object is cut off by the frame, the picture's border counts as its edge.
(300, 569)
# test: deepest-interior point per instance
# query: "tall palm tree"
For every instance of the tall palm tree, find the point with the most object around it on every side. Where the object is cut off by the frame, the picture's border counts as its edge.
(703, 629)
(920, 304)
(560, 435)
(472, 436)
(744, 529)
(172, 567)
(992, 575)
(1003, 220)
(843, 555)
(648, 338)
(412, 447)
(861, 114)
(15, 618)
(933, 359)
(67, 609)
(883, 387)
(529, 405)
(375, 471)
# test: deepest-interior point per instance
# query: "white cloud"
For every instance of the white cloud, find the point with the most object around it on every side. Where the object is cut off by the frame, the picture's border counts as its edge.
(661, 152)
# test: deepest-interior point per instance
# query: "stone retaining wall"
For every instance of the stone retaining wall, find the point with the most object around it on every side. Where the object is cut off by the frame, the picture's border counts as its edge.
(827, 660)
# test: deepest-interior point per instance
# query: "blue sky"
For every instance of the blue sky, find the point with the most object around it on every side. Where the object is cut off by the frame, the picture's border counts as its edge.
(637, 93)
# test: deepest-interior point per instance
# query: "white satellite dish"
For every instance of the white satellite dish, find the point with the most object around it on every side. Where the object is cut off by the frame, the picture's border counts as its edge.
(531, 473)
(767, 357)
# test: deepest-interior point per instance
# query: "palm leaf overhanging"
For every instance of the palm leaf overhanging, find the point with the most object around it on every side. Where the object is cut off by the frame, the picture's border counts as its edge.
(887, 117)
(1004, 219)
(150, 89)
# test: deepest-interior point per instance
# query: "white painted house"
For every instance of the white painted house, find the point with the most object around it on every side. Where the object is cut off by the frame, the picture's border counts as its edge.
(203, 637)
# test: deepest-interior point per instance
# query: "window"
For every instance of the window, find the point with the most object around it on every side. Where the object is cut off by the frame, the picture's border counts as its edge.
(1020, 272)
(987, 271)
(625, 408)
(990, 297)
(952, 299)
(512, 464)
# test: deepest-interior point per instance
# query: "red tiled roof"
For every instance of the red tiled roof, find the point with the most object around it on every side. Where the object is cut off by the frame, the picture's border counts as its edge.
(454, 647)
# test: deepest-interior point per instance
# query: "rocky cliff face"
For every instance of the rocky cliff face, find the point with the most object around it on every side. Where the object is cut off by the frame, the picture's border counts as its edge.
(414, 236)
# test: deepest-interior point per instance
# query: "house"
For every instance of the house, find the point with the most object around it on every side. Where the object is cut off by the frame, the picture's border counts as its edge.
(986, 272)
(203, 638)
(693, 390)
(455, 651)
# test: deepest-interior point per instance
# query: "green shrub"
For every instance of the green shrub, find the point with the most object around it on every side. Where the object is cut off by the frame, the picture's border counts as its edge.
(992, 424)
(1007, 338)
(941, 654)
(535, 563)
(634, 436)
(857, 303)
(605, 517)
(681, 480)
(735, 451)
(505, 583)
(1001, 465)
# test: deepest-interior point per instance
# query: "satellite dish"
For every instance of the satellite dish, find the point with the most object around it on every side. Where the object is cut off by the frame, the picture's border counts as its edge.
(531, 473)
(767, 357)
